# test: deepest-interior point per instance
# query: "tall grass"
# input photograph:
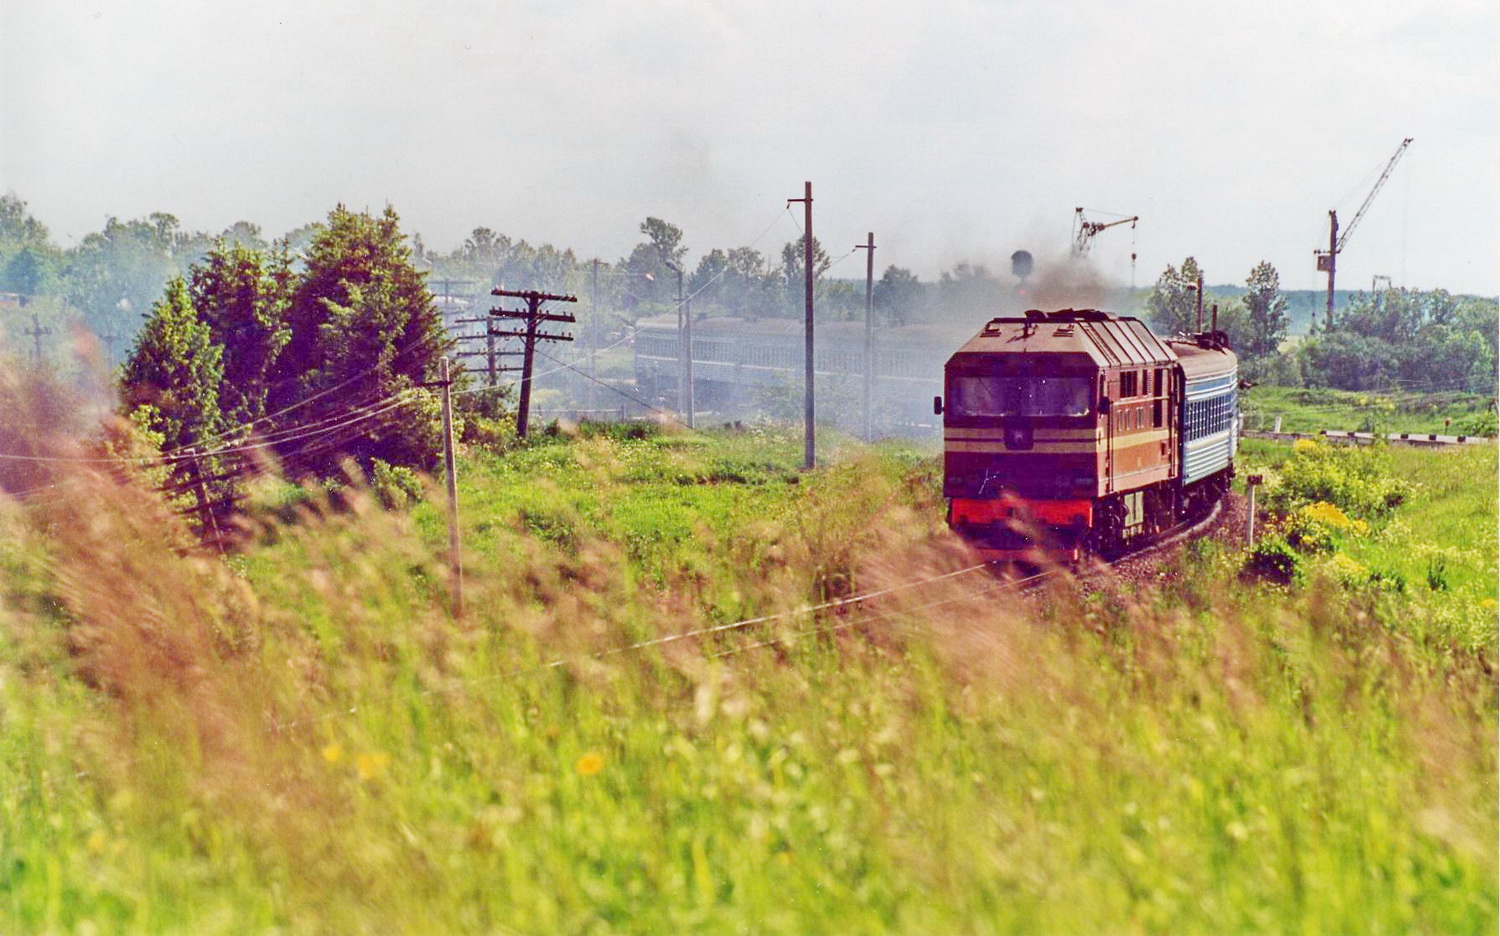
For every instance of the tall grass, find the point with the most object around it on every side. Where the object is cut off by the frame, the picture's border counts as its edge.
(302, 738)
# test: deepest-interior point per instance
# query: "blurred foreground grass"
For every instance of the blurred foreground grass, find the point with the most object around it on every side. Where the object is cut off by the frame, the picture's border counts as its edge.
(302, 739)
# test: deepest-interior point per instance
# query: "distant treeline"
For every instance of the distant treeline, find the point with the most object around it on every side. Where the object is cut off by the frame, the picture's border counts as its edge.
(110, 280)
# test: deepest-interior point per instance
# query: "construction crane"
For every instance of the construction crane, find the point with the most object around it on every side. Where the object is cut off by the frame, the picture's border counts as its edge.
(1084, 230)
(1328, 259)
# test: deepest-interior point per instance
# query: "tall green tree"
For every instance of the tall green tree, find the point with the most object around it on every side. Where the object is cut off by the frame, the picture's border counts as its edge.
(794, 273)
(1173, 304)
(242, 295)
(898, 295)
(29, 263)
(732, 282)
(794, 260)
(1265, 311)
(245, 234)
(114, 275)
(17, 226)
(27, 272)
(363, 328)
(174, 372)
(666, 239)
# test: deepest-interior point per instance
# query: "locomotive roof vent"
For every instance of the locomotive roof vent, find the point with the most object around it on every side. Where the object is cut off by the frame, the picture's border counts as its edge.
(1035, 317)
(1081, 315)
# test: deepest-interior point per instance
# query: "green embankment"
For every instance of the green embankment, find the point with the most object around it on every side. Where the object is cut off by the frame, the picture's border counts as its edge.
(302, 739)
(1313, 410)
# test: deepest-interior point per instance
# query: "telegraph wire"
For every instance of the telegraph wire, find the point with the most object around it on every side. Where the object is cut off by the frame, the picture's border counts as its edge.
(660, 412)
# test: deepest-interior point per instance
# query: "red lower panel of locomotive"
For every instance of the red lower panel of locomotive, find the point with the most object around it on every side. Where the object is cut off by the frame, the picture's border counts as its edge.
(1019, 529)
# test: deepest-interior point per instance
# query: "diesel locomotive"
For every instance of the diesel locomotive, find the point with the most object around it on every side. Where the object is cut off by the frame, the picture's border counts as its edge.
(1078, 431)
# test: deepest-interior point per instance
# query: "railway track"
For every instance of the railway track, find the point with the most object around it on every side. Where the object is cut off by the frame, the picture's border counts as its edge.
(1136, 562)
(1190, 528)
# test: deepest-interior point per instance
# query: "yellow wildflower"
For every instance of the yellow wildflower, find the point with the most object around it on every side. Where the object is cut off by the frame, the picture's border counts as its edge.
(370, 766)
(1330, 516)
(1348, 570)
(332, 753)
(589, 764)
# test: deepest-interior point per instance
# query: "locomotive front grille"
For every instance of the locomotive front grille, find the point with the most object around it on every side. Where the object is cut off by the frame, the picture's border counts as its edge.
(1040, 475)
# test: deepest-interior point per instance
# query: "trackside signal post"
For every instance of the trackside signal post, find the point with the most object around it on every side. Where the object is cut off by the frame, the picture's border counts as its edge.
(533, 316)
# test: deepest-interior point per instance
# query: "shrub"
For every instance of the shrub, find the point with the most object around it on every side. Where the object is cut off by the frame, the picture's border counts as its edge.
(1353, 479)
(1273, 560)
(1319, 527)
(395, 486)
(492, 433)
(1347, 571)
(1479, 424)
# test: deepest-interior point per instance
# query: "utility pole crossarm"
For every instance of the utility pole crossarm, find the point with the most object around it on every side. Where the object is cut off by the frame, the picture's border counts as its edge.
(532, 294)
(533, 316)
(540, 336)
(540, 316)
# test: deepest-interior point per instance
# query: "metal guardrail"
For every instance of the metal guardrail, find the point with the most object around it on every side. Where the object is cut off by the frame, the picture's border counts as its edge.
(1424, 439)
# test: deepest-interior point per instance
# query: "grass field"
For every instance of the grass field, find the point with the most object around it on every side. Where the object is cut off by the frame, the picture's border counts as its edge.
(1313, 410)
(302, 738)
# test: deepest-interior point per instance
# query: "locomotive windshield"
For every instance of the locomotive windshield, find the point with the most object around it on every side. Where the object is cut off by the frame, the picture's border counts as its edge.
(990, 395)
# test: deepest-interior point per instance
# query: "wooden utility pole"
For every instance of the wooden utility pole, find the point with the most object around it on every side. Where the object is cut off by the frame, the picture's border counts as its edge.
(533, 316)
(869, 246)
(447, 285)
(450, 465)
(592, 341)
(685, 402)
(809, 444)
(36, 333)
(686, 307)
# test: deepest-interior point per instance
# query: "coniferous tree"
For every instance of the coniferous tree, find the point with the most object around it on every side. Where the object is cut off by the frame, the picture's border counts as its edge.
(241, 294)
(175, 369)
(362, 329)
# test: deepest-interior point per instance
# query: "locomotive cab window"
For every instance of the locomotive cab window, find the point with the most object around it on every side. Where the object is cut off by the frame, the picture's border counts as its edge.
(989, 395)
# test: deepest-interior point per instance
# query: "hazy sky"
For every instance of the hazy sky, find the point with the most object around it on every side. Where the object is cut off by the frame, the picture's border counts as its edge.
(956, 131)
